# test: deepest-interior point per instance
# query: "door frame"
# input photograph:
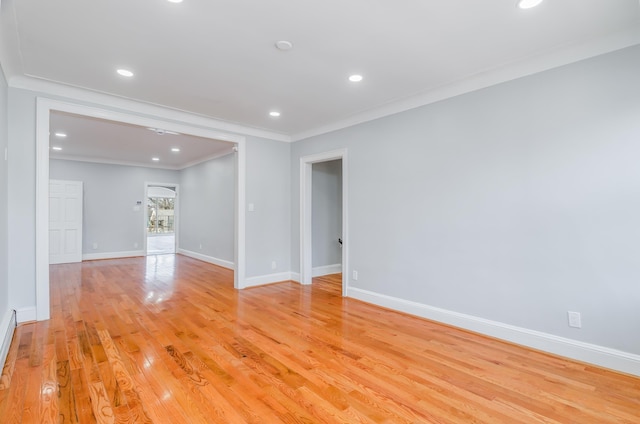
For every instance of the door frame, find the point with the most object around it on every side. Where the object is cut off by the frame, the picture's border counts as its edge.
(176, 213)
(44, 106)
(306, 168)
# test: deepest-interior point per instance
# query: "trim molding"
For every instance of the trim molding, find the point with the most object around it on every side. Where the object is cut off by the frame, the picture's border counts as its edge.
(103, 99)
(599, 355)
(210, 259)
(306, 193)
(7, 326)
(261, 280)
(26, 315)
(528, 66)
(319, 271)
(111, 255)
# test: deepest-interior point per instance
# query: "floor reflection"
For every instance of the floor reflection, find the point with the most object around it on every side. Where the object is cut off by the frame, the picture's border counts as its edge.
(159, 278)
(159, 245)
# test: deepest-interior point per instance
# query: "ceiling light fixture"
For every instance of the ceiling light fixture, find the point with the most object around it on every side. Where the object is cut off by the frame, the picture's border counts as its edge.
(284, 45)
(274, 113)
(175, 1)
(155, 159)
(528, 4)
(160, 131)
(355, 78)
(175, 149)
(60, 135)
(125, 73)
(57, 148)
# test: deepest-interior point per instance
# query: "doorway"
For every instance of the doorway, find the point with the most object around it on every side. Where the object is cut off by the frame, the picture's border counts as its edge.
(155, 118)
(326, 218)
(161, 219)
(306, 215)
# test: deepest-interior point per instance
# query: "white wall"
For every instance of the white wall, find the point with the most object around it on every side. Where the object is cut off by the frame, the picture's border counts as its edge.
(515, 203)
(4, 201)
(326, 213)
(110, 194)
(207, 212)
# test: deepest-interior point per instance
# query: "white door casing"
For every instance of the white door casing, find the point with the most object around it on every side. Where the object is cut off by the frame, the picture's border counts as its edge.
(65, 221)
(136, 114)
(306, 163)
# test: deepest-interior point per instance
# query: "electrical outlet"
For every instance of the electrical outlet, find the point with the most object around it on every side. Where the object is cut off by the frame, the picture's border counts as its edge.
(200, 246)
(575, 320)
(135, 245)
(95, 246)
(354, 275)
(273, 265)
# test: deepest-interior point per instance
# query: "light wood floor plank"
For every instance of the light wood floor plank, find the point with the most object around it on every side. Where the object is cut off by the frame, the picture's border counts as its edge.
(167, 339)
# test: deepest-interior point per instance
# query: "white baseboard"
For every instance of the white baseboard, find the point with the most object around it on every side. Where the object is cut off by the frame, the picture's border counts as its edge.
(210, 259)
(26, 315)
(112, 255)
(319, 271)
(7, 326)
(603, 356)
(261, 280)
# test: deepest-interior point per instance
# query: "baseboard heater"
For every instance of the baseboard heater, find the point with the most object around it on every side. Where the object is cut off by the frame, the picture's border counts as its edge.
(8, 336)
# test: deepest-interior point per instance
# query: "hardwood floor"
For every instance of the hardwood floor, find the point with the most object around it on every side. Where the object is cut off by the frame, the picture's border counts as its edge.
(168, 340)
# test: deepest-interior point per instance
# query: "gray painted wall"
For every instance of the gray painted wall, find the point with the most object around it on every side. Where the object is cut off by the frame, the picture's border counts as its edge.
(514, 203)
(4, 201)
(110, 194)
(268, 188)
(326, 213)
(21, 194)
(207, 212)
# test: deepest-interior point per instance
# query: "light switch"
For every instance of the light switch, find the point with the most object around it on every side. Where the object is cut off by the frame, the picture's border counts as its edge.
(251, 207)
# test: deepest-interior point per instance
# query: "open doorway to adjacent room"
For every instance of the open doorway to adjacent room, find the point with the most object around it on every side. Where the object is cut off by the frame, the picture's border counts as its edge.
(161, 219)
(331, 198)
(52, 144)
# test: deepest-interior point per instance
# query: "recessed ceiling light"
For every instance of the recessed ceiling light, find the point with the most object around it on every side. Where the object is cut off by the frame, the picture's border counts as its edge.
(528, 4)
(125, 72)
(175, 149)
(274, 113)
(284, 45)
(57, 148)
(355, 78)
(155, 159)
(60, 134)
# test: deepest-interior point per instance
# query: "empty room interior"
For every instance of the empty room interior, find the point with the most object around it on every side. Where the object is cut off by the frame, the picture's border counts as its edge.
(320, 212)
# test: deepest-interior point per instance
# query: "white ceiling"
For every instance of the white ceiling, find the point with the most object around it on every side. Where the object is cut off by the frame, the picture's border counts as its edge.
(217, 58)
(99, 140)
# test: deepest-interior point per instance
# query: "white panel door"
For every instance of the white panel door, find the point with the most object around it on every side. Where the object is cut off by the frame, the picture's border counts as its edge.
(65, 221)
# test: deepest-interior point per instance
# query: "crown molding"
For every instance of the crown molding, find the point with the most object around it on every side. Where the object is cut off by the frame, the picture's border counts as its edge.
(534, 64)
(73, 158)
(102, 99)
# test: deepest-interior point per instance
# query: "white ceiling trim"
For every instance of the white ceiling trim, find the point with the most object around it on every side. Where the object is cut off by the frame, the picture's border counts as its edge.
(205, 159)
(532, 65)
(133, 106)
(111, 162)
(58, 156)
